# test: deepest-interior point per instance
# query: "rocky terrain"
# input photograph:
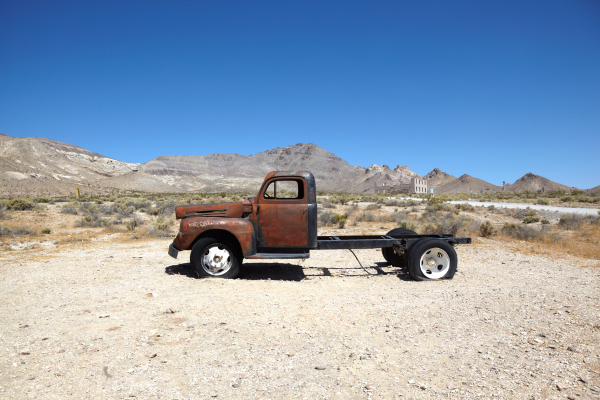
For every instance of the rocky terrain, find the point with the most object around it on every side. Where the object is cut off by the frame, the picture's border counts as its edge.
(467, 184)
(437, 178)
(112, 316)
(533, 183)
(40, 166)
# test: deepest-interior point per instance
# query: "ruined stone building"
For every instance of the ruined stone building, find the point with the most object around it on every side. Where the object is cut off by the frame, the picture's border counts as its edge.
(416, 186)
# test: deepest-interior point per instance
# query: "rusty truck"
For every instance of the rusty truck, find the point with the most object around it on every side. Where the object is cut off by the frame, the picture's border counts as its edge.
(281, 223)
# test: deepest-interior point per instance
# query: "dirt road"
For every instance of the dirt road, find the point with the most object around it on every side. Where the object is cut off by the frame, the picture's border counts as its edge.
(115, 318)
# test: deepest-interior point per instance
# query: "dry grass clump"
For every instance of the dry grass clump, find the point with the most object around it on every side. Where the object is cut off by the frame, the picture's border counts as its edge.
(372, 207)
(92, 221)
(161, 228)
(19, 204)
(2, 210)
(13, 232)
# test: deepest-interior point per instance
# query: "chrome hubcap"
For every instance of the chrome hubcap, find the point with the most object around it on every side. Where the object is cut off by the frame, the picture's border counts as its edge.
(435, 263)
(216, 260)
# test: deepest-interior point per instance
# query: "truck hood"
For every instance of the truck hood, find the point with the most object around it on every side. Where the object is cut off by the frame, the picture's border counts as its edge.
(230, 210)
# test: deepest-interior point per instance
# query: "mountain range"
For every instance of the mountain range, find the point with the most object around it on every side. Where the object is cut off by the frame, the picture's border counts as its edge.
(40, 166)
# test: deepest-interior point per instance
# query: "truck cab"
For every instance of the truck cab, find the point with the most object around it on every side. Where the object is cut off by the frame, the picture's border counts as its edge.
(280, 222)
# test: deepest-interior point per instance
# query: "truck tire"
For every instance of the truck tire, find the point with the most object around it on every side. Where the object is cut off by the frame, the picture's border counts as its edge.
(398, 261)
(431, 260)
(215, 258)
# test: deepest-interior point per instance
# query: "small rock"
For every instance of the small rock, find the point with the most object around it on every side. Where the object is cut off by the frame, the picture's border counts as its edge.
(352, 355)
(411, 381)
(584, 379)
(363, 357)
(170, 311)
(290, 354)
(320, 366)
(45, 338)
(26, 353)
(368, 387)
(104, 316)
(152, 355)
(538, 340)
(61, 351)
(422, 386)
(236, 385)
(450, 387)
(571, 348)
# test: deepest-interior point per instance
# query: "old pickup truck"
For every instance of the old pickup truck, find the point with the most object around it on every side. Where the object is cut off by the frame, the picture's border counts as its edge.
(281, 223)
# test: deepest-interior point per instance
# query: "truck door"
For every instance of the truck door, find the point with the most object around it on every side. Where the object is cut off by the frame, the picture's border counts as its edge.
(283, 213)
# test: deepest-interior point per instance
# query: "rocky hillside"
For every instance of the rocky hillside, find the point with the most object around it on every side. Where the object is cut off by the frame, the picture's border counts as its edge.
(533, 183)
(378, 175)
(467, 184)
(437, 178)
(44, 166)
(40, 166)
(233, 171)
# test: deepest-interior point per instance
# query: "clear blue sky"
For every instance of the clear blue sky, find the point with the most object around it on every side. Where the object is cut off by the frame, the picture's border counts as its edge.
(494, 89)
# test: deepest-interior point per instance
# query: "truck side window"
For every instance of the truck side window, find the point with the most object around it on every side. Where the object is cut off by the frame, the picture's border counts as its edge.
(292, 189)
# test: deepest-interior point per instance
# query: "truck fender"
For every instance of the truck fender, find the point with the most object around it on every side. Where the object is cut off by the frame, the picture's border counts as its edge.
(192, 229)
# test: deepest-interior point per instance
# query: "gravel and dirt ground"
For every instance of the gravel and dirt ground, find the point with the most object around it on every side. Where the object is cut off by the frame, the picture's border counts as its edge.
(112, 317)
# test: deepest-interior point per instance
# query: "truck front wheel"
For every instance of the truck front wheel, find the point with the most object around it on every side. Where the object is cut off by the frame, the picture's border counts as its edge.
(432, 259)
(214, 258)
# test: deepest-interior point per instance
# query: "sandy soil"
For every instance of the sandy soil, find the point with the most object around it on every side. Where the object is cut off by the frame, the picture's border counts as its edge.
(112, 317)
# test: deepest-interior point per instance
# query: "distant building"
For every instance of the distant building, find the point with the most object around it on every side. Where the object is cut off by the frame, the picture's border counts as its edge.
(416, 186)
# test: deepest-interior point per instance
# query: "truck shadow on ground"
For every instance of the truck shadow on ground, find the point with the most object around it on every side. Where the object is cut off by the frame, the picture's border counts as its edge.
(295, 272)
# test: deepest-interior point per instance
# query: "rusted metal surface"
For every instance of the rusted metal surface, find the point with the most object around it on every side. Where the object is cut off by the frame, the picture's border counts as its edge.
(229, 210)
(193, 227)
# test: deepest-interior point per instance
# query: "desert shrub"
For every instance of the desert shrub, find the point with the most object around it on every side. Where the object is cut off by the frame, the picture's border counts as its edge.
(486, 229)
(161, 228)
(341, 220)
(6, 231)
(543, 201)
(154, 211)
(464, 207)
(530, 219)
(326, 218)
(68, 210)
(42, 200)
(167, 209)
(88, 207)
(107, 210)
(20, 204)
(545, 221)
(570, 221)
(406, 224)
(46, 231)
(392, 203)
(568, 199)
(365, 217)
(527, 212)
(351, 210)
(440, 207)
(380, 201)
(521, 232)
(372, 207)
(327, 204)
(586, 199)
(92, 221)
(124, 214)
(2, 210)
(133, 223)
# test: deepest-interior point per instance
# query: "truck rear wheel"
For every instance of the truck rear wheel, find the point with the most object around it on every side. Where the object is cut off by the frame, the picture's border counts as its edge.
(393, 258)
(431, 260)
(214, 258)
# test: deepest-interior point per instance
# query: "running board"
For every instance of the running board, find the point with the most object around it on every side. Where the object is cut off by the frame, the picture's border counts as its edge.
(277, 256)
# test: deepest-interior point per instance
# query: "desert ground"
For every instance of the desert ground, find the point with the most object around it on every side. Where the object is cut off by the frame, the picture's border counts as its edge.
(105, 313)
